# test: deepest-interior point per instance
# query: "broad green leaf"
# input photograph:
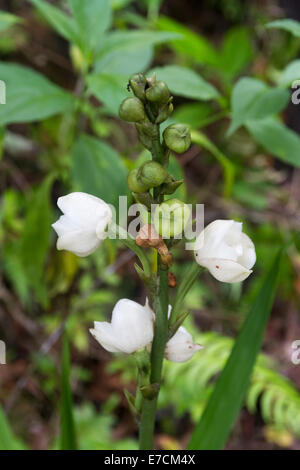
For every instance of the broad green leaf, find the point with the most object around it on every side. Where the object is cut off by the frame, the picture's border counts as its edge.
(67, 432)
(277, 139)
(7, 439)
(120, 62)
(15, 271)
(121, 54)
(253, 100)
(227, 398)
(291, 26)
(237, 51)
(30, 96)
(93, 18)
(109, 89)
(185, 82)
(7, 20)
(193, 114)
(97, 169)
(61, 22)
(290, 74)
(190, 44)
(34, 242)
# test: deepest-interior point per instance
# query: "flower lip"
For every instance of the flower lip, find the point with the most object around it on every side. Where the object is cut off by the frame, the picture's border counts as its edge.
(181, 347)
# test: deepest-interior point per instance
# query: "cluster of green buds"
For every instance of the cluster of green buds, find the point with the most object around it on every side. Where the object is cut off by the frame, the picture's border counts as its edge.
(152, 104)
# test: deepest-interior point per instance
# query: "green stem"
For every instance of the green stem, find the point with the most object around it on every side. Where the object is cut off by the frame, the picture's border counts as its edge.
(200, 139)
(160, 305)
(157, 151)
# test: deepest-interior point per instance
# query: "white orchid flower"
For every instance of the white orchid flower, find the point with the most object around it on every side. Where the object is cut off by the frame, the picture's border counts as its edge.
(181, 347)
(82, 227)
(227, 252)
(131, 328)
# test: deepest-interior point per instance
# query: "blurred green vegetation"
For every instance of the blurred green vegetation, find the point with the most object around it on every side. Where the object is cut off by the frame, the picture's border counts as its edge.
(66, 69)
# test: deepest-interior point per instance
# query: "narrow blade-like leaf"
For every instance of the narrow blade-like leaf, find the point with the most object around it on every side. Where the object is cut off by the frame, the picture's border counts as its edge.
(227, 398)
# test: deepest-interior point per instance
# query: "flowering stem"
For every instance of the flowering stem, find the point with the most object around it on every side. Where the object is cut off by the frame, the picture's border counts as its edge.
(149, 404)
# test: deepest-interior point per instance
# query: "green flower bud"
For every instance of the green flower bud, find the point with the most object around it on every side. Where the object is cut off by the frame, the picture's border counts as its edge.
(158, 92)
(134, 183)
(79, 61)
(138, 83)
(152, 174)
(132, 110)
(177, 137)
(171, 217)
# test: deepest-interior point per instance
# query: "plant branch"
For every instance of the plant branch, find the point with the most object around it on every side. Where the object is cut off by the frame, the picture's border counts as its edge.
(160, 304)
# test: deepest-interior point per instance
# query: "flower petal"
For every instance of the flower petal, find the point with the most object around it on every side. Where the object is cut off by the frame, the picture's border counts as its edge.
(248, 257)
(103, 333)
(132, 324)
(84, 208)
(211, 241)
(226, 270)
(65, 225)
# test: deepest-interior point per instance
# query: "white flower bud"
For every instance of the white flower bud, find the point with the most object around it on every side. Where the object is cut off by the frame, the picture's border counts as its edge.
(131, 328)
(180, 347)
(225, 251)
(82, 227)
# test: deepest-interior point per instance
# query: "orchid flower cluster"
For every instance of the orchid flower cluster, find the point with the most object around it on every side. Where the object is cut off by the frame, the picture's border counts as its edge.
(222, 248)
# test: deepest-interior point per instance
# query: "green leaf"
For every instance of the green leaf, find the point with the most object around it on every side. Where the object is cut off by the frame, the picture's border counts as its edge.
(185, 82)
(237, 51)
(290, 73)
(67, 432)
(109, 89)
(193, 114)
(93, 18)
(7, 439)
(190, 44)
(227, 398)
(7, 20)
(253, 100)
(291, 26)
(61, 22)
(277, 139)
(97, 169)
(125, 52)
(30, 96)
(34, 242)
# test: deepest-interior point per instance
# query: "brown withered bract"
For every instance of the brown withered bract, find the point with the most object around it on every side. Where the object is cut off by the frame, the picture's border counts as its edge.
(149, 238)
(172, 280)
